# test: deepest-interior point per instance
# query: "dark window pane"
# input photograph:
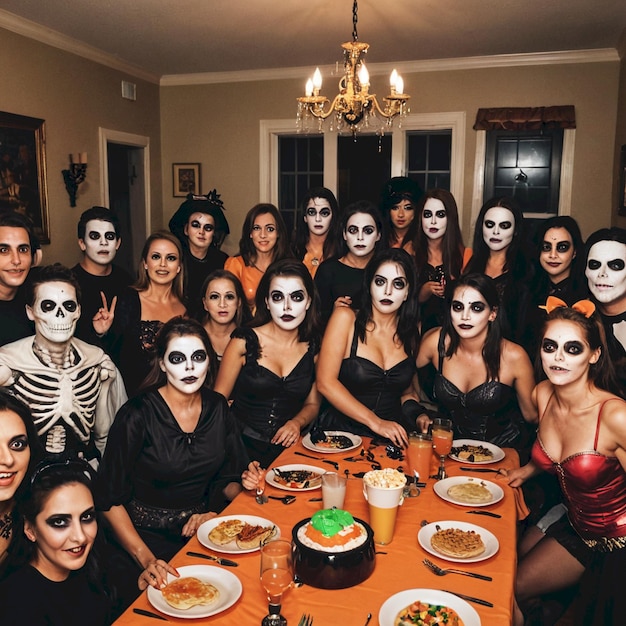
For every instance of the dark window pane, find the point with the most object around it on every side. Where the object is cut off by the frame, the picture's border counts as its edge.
(441, 180)
(506, 176)
(534, 153)
(287, 154)
(317, 154)
(417, 152)
(439, 152)
(287, 191)
(507, 153)
(538, 176)
(315, 180)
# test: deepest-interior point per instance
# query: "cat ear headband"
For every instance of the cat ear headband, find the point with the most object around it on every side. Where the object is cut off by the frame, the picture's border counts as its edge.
(586, 307)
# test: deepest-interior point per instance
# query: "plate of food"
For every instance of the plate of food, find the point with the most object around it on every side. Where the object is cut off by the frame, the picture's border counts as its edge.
(403, 608)
(466, 491)
(236, 534)
(295, 477)
(475, 452)
(458, 541)
(331, 441)
(201, 590)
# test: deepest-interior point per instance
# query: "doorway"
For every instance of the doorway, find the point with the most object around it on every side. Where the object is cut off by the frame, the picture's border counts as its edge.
(124, 161)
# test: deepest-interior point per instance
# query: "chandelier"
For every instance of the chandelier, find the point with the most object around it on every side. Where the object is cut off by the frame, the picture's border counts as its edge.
(354, 108)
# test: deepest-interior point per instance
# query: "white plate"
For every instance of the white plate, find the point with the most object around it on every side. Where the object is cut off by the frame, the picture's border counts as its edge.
(226, 582)
(498, 453)
(442, 486)
(270, 479)
(232, 547)
(309, 445)
(392, 606)
(489, 539)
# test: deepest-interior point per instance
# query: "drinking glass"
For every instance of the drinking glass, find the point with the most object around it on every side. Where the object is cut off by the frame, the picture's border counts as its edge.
(276, 577)
(442, 443)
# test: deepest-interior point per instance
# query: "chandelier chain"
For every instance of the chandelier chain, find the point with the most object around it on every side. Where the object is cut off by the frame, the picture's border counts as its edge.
(355, 19)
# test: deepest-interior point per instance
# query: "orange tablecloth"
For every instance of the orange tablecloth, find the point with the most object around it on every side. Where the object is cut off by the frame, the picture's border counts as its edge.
(398, 565)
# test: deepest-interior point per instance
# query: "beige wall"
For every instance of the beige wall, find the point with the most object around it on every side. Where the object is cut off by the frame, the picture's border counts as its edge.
(75, 97)
(216, 125)
(620, 136)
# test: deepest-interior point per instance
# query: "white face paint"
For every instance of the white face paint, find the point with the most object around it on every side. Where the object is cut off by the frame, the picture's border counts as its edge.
(606, 271)
(389, 288)
(288, 301)
(318, 216)
(100, 244)
(55, 312)
(361, 234)
(434, 219)
(498, 228)
(470, 312)
(186, 363)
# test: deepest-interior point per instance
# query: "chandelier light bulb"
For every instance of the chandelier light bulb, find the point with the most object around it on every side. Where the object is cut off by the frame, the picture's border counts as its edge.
(317, 79)
(392, 79)
(399, 85)
(364, 76)
(308, 90)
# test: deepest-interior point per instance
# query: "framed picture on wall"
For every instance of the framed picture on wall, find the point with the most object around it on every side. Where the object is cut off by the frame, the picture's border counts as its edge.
(23, 170)
(622, 183)
(186, 179)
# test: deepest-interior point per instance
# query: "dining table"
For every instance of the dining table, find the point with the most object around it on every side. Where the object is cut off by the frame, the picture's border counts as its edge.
(398, 565)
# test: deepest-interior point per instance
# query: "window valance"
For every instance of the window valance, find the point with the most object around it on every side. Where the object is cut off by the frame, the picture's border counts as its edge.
(526, 118)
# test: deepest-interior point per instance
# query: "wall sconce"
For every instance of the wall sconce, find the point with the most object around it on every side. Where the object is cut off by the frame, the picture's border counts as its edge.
(75, 175)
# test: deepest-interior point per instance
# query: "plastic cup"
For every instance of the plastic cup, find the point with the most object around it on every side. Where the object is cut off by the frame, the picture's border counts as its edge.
(333, 490)
(383, 491)
(419, 454)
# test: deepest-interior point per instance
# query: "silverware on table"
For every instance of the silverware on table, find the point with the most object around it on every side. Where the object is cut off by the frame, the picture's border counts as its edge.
(469, 598)
(260, 498)
(284, 499)
(367, 621)
(433, 567)
(217, 559)
(315, 458)
(150, 614)
(487, 513)
(306, 620)
(483, 470)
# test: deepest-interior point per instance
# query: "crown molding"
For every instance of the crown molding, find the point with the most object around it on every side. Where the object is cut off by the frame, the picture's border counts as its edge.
(32, 30)
(600, 55)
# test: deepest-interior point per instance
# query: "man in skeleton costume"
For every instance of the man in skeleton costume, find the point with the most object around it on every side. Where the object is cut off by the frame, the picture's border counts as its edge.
(605, 269)
(72, 388)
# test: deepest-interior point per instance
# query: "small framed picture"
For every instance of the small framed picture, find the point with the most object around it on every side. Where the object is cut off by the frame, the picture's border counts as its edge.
(186, 179)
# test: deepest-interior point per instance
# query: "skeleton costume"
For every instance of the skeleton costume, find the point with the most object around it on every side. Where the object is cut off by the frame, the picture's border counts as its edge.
(73, 403)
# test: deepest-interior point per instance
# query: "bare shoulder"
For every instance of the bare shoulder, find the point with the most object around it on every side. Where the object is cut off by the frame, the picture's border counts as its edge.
(342, 317)
(515, 353)
(430, 340)
(542, 392)
(614, 412)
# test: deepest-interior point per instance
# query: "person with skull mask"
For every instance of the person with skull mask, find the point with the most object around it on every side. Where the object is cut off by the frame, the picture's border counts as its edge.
(605, 269)
(72, 388)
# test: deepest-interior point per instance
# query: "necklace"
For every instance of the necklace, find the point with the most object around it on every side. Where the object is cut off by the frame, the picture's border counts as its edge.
(6, 526)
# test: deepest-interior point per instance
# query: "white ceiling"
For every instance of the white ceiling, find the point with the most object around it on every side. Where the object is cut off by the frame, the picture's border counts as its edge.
(174, 37)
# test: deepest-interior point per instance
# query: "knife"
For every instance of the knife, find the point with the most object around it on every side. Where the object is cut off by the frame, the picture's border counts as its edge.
(469, 598)
(487, 513)
(217, 559)
(308, 456)
(481, 470)
(150, 614)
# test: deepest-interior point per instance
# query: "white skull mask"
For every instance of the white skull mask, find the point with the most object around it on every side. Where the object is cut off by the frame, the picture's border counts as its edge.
(55, 311)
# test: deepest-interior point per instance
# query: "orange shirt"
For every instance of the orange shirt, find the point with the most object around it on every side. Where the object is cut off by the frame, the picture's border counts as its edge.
(248, 275)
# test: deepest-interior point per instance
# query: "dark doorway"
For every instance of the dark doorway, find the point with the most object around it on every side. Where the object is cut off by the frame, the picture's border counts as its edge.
(363, 167)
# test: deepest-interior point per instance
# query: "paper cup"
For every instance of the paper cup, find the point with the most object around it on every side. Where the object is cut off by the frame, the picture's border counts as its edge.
(383, 491)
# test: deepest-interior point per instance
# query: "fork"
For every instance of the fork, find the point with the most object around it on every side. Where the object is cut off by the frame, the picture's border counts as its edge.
(442, 572)
(261, 498)
(306, 620)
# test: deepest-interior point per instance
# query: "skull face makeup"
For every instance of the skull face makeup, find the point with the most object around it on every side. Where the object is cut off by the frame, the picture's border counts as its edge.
(498, 228)
(55, 312)
(606, 271)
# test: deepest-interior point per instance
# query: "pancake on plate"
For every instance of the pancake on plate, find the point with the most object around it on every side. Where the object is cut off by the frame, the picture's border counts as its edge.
(183, 593)
(470, 492)
(461, 544)
(226, 531)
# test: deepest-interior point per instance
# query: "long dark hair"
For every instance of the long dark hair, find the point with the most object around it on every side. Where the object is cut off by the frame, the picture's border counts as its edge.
(179, 326)
(516, 264)
(243, 315)
(452, 241)
(406, 330)
(309, 329)
(393, 192)
(601, 373)
(493, 343)
(246, 247)
(302, 233)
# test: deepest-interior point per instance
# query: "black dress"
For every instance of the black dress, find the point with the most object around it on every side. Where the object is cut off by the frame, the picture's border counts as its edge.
(334, 279)
(378, 389)
(264, 401)
(150, 465)
(29, 598)
(196, 271)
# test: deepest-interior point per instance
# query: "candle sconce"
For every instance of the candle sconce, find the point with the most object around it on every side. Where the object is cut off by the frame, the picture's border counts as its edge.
(75, 175)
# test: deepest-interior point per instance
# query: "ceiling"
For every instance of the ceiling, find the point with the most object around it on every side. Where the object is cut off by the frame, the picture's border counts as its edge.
(180, 37)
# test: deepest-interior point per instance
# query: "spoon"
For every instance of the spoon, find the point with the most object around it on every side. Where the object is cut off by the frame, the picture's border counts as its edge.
(284, 500)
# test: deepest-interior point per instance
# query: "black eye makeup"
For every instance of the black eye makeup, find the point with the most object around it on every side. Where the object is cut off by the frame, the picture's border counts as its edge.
(297, 296)
(563, 246)
(617, 265)
(70, 305)
(175, 357)
(277, 296)
(369, 230)
(199, 356)
(399, 283)
(592, 264)
(489, 223)
(506, 225)
(456, 306)
(440, 214)
(19, 443)
(312, 212)
(352, 230)
(47, 305)
(570, 347)
(478, 307)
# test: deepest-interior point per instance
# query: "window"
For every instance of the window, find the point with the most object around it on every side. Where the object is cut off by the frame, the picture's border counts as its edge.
(429, 155)
(525, 165)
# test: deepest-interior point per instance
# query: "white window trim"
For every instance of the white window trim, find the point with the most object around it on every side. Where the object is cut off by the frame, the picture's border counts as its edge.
(270, 130)
(565, 184)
